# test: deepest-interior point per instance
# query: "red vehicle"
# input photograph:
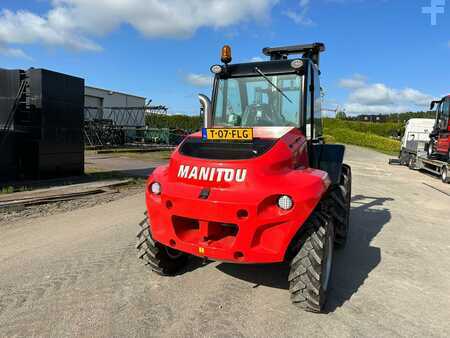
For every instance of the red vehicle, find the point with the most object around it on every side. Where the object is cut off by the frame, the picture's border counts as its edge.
(440, 137)
(257, 184)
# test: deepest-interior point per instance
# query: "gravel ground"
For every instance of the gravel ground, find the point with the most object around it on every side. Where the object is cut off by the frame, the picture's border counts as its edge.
(76, 274)
(128, 165)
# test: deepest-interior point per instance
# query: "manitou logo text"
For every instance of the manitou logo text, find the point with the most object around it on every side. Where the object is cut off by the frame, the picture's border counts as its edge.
(212, 174)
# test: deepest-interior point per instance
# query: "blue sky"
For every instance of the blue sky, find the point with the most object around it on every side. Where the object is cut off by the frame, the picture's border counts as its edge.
(382, 55)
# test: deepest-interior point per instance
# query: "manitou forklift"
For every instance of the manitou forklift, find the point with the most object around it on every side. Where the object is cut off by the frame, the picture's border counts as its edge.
(425, 150)
(257, 184)
(439, 146)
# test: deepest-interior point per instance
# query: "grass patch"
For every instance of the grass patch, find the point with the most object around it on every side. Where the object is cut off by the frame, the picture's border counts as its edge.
(94, 174)
(362, 139)
(162, 155)
(10, 189)
(384, 129)
(373, 135)
(154, 156)
(91, 175)
(7, 190)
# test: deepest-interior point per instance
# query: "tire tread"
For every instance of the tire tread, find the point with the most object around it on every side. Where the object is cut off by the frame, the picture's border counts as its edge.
(306, 267)
(153, 253)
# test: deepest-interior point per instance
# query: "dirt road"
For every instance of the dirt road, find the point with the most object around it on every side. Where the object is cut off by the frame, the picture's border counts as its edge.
(76, 274)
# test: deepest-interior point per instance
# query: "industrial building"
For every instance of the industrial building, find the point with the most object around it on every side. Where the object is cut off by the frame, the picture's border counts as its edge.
(104, 104)
(99, 98)
(113, 118)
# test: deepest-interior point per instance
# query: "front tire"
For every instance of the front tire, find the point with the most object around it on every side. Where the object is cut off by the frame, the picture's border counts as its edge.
(161, 259)
(340, 201)
(310, 272)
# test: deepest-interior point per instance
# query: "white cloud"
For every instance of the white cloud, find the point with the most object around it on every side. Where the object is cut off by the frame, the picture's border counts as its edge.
(357, 81)
(256, 59)
(367, 97)
(372, 95)
(300, 17)
(73, 23)
(415, 96)
(356, 108)
(25, 27)
(14, 53)
(199, 80)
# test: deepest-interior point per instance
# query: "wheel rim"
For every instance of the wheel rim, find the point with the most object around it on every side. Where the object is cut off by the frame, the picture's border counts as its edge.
(329, 260)
(444, 174)
(172, 253)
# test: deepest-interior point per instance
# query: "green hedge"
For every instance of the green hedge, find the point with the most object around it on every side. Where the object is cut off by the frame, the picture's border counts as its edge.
(385, 129)
(362, 139)
(185, 122)
(365, 134)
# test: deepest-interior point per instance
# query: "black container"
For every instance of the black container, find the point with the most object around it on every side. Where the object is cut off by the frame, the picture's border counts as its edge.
(8, 157)
(59, 101)
(9, 86)
(48, 126)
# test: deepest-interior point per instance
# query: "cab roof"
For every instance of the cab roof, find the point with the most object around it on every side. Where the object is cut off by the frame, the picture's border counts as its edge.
(267, 67)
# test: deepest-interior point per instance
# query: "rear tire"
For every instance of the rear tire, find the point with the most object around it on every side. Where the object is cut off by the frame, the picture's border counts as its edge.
(444, 175)
(403, 157)
(430, 151)
(412, 163)
(340, 207)
(311, 268)
(161, 259)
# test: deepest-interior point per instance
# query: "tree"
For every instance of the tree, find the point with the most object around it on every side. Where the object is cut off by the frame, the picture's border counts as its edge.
(340, 115)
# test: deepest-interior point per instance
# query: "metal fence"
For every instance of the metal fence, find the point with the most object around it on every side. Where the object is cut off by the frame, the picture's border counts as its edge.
(116, 126)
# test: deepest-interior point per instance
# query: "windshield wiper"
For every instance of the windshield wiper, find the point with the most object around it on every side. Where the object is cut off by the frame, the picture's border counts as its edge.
(272, 84)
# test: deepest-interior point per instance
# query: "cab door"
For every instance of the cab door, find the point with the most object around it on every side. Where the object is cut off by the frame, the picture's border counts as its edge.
(443, 144)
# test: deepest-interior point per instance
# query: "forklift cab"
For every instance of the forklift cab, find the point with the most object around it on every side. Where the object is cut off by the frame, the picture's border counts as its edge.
(281, 92)
(441, 131)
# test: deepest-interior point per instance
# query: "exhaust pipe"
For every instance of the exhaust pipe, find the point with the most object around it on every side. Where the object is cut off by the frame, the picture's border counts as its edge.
(206, 106)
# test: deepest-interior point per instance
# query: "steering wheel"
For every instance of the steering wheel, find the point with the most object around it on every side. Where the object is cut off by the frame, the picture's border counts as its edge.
(252, 118)
(263, 122)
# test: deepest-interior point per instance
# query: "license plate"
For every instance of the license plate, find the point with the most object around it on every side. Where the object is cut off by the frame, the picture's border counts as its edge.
(229, 134)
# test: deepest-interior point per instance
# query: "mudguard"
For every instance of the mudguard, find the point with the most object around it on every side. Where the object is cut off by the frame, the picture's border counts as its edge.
(329, 158)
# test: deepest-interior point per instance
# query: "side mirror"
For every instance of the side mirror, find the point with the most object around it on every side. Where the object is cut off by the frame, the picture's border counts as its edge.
(433, 103)
(206, 107)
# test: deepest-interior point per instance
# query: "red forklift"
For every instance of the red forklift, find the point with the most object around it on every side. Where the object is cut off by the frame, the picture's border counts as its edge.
(439, 146)
(257, 184)
(432, 156)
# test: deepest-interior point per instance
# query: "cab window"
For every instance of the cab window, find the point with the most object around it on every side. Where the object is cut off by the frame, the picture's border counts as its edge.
(444, 114)
(317, 104)
(258, 101)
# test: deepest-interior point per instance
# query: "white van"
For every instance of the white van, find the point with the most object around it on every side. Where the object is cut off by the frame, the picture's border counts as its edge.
(417, 135)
